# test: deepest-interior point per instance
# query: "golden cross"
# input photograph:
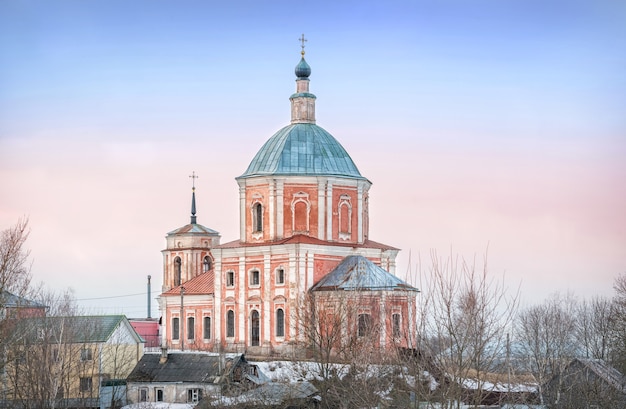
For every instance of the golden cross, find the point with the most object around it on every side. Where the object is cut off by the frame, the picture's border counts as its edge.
(193, 177)
(302, 40)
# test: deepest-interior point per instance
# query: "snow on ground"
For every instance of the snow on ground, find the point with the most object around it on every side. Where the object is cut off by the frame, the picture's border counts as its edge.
(159, 405)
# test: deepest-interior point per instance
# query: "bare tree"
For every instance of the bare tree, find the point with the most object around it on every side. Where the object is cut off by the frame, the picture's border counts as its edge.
(15, 275)
(594, 327)
(618, 351)
(40, 363)
(347, 361)
(462, 325)
(547, 338)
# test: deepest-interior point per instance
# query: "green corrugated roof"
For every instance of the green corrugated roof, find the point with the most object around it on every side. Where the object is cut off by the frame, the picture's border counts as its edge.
(302, 149)
(77, 329)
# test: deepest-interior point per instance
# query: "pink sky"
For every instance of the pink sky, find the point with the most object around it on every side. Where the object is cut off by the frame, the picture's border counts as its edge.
(499, 128)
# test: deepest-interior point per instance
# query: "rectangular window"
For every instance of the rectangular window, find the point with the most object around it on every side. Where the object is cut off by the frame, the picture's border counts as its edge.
(85, 354)
(230, 323)
(364, 325)
(207, 328)
(85, 384)
(143, 394)
(230, 279)
(194, 395)
(159, 395)
(175, 329)
(396, 325)
(255, 277)
(280, 322)
(280, 276)
(190, 328)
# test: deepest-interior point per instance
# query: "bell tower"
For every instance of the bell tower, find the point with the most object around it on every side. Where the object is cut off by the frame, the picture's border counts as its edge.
(188, 249)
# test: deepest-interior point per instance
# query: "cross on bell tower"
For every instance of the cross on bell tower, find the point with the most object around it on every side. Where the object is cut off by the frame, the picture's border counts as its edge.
(193, 177)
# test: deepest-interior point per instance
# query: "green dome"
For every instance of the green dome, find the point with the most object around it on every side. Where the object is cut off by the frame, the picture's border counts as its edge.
(302, 149)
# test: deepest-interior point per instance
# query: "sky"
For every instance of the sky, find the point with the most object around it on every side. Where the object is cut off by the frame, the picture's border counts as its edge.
(490, 129)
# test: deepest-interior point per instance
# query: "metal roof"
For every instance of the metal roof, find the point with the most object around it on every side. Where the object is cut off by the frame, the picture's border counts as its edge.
(359, 273)
(193, 228)
(78, 329)
(11, 300)
(183, 367)
(302, 149)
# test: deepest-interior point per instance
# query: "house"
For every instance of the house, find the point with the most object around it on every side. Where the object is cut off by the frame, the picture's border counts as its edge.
(71, 361)
(303, 210)
(187, 377)
(15, 307)
(587, 383)
(148, 329)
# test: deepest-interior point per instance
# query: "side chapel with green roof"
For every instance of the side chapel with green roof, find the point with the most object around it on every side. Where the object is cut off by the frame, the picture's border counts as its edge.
(304, 232)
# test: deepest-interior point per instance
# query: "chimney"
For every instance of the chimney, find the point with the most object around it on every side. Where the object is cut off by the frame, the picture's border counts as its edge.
(163, 355)
(149, 297)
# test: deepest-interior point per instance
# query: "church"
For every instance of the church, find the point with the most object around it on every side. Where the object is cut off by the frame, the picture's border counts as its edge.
(304, 233)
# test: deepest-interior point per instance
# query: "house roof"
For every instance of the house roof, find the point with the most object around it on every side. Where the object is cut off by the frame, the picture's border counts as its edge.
(202, 284)
(80, 329)
(10, 300)
(304, 239)
(603, 370)
(359, 273)
(183, 367)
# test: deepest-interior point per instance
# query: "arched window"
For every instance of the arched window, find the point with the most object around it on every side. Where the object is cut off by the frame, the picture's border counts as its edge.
(177, 272)
(395, 322)
(364, 325)
(300, 210)
(345, 217)
(207, 328)
(280, 322)
(257, 218)
(190, 328)
(255, 329)
(230, 323)
(175, 328)
(206, 264)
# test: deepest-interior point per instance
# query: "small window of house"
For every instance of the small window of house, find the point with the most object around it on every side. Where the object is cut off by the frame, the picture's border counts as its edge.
(194, 395)
(143, 394)
(86, 384)
(85, 354)
(159, 395)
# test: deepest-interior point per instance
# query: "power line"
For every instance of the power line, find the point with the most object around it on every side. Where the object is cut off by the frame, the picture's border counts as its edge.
(114, 296)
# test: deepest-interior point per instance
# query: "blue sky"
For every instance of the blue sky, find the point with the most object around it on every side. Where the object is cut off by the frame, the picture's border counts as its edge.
(481, 123)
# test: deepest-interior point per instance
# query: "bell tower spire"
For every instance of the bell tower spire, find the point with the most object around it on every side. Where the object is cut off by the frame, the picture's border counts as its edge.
(193, 177)
(302, 102)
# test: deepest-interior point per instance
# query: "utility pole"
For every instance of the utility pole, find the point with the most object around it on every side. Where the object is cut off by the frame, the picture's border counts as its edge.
(182, 320)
